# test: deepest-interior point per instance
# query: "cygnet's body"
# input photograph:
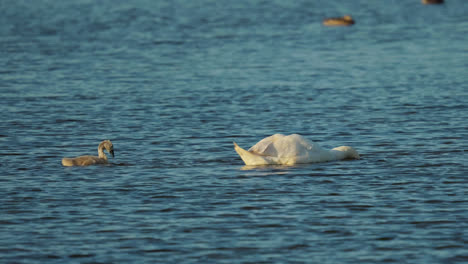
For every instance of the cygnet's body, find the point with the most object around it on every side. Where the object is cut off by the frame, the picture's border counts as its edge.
(339, 21)
(91, 160)
(293, 149)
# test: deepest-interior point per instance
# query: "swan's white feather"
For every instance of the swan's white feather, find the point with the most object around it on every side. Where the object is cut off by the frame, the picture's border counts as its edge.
(290, 150)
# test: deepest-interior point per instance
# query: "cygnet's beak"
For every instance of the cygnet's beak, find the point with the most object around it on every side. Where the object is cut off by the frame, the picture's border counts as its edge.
(112, 152)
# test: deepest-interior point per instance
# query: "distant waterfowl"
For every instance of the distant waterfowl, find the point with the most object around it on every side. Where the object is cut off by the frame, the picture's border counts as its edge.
(91, 160)
(429, 2)
(293, 149)
(339, 21)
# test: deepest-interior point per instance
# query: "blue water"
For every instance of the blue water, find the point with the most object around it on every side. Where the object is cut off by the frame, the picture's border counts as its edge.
(174, 83)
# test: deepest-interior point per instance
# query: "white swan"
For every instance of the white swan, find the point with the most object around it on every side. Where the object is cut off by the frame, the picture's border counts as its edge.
(91, 160)
(289, 150)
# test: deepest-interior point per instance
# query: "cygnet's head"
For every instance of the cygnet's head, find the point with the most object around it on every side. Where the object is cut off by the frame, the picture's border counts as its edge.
(107, 144)
(350, 152)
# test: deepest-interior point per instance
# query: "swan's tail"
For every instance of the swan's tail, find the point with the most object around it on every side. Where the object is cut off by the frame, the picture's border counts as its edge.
(250, 158)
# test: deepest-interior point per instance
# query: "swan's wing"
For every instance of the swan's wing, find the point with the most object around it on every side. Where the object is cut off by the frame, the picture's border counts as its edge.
(267, 146)
(303, 144)
(307, 151)
(296, 146)
(292, 148)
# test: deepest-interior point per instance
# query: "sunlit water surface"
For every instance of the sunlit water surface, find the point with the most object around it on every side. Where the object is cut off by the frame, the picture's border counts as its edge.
(174, 83)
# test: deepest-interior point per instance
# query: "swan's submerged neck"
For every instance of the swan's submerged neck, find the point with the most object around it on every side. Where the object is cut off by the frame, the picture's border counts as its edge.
(337, 154)
(344, 152)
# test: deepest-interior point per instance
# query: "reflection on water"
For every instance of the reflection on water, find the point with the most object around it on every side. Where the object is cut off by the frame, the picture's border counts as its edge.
(267, 169)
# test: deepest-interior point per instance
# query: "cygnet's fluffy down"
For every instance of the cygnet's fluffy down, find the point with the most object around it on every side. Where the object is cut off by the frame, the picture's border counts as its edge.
(91, 160)
(292, 149)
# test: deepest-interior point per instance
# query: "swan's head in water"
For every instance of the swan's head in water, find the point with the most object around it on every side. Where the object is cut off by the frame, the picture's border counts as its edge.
(349, 152)
(107, 144)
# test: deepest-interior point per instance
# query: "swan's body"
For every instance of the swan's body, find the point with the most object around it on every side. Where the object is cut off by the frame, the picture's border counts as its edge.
(91, 160)
(339, 21)
(292, 149)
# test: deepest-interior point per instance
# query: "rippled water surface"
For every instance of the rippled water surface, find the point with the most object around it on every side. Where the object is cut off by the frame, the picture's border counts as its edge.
(174, 83)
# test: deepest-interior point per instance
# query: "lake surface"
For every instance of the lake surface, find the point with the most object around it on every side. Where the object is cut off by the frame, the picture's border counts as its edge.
(174, 83)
